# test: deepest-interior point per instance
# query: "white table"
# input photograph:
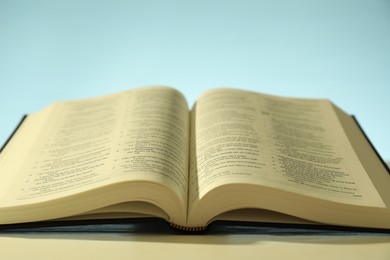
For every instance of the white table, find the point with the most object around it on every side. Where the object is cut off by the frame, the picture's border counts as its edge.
(125, 246)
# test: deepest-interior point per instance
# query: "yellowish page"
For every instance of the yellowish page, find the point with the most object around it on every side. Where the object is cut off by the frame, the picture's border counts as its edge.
(290, 144)
(137, 135)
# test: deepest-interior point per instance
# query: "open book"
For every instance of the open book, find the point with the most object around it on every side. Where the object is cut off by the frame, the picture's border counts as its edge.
(236, 155)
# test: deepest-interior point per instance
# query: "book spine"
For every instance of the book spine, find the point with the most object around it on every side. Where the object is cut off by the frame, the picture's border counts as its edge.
(185, 228)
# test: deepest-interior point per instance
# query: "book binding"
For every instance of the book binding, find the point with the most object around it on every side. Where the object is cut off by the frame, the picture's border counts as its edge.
(13, 133)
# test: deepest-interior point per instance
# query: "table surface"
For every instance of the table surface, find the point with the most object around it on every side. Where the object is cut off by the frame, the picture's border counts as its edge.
(126, 246)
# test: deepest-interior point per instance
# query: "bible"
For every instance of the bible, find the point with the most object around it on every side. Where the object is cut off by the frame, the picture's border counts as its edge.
(235, 155)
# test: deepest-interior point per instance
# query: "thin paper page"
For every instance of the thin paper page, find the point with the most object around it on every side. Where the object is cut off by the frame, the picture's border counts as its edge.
(296, 145)
(135, 135)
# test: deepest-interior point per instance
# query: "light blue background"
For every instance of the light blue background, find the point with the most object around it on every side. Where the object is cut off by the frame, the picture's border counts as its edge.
(340, 50)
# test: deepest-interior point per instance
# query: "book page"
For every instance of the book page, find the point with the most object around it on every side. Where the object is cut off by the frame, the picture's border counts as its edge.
(295, 145)
(138, 135)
